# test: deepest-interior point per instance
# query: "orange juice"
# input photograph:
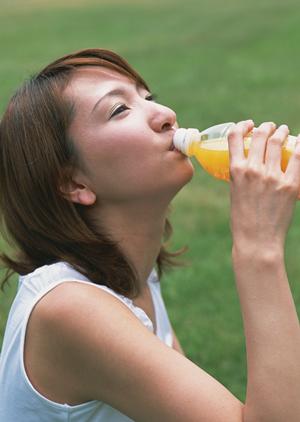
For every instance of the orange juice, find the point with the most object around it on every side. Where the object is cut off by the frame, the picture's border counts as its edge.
(210, 147)
(213, 155)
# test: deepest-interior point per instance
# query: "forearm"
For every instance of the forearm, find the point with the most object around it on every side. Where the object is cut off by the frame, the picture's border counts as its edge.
(272, 337)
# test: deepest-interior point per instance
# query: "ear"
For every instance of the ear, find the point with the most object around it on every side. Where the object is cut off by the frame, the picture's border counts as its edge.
(79, 193)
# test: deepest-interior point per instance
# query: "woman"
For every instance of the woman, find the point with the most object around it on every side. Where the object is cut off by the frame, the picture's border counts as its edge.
(87, 174)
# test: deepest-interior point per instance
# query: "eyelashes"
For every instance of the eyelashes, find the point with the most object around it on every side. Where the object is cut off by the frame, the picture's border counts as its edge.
(119, 109)
(123, 107)
(151, 97)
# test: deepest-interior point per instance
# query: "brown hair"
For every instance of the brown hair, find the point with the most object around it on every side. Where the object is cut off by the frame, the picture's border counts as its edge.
(35, 157)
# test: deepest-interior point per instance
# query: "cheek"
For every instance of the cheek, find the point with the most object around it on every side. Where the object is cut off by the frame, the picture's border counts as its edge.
(121, 162)
(120, 148)
(121, 179)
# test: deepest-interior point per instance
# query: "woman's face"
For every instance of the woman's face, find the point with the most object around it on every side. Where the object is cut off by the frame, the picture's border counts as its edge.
(124, 138)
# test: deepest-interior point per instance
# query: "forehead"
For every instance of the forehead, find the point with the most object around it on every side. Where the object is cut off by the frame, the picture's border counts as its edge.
(95, 81)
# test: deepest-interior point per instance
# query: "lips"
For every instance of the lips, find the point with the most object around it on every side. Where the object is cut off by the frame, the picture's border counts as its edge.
(172, 147)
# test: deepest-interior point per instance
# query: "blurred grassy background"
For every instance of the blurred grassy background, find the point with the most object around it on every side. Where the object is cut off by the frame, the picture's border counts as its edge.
(212, 61)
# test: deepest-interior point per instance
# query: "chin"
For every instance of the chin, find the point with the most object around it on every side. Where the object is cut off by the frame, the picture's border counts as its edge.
(188, 172)
(185, 176)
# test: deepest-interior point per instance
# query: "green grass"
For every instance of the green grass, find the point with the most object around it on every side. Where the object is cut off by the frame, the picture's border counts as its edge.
(212, 61)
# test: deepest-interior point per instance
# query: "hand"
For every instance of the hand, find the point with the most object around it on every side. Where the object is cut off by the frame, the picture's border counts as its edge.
(262, 196)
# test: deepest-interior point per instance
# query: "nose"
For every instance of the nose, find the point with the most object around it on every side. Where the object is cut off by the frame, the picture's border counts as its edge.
(161, 118)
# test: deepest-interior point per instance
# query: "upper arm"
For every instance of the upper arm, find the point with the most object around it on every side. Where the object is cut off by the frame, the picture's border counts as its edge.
(125, 365)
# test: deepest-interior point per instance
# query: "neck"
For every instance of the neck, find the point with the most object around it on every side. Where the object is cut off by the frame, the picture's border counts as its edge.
(138, 229)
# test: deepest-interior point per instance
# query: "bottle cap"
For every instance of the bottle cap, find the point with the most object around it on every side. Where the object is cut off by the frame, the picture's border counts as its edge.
(183, 137)
(178, 139)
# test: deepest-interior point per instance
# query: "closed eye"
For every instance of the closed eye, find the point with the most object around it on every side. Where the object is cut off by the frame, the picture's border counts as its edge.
(123, 107)
(151, 97)
(119, 109)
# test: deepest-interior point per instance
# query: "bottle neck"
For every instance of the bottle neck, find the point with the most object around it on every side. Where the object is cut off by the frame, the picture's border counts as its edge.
(183, 138)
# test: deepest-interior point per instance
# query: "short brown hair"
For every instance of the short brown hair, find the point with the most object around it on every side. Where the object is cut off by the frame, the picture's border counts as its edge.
(35, 156)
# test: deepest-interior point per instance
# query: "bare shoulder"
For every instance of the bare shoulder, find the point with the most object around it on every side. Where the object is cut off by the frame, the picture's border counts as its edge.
(107, 354)
(68, 297)
(59, 329)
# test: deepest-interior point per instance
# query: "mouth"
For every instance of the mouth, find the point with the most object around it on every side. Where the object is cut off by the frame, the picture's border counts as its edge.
(172, 147)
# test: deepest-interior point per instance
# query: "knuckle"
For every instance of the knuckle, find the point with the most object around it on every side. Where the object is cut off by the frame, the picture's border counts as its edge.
(290, 187)
(276, 140)
(271, 178)
(252, 172)
(261, 132)
(236, 169)
(235, 133)
(265, 129)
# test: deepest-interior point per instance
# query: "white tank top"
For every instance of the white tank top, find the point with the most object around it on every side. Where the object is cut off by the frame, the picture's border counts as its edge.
(19, 400)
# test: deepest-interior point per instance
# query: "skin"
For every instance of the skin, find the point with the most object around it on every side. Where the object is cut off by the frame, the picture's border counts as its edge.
(131, 191)
(138, 175)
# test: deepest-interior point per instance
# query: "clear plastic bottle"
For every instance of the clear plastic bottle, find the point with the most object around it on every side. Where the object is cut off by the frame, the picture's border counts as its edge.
(210, 147)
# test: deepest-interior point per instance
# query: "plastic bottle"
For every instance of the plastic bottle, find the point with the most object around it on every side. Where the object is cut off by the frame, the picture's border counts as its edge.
(210, 147)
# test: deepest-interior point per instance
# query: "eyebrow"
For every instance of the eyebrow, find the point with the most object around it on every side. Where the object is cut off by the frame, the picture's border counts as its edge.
(112, 93)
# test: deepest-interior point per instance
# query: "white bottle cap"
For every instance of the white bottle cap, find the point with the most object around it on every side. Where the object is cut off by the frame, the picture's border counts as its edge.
(178, 139)
(183, 137)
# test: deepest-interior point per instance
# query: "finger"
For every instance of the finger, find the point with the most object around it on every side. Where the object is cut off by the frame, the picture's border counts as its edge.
(258, 143)
(274, 148)
(236, 140)
(293, 168)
